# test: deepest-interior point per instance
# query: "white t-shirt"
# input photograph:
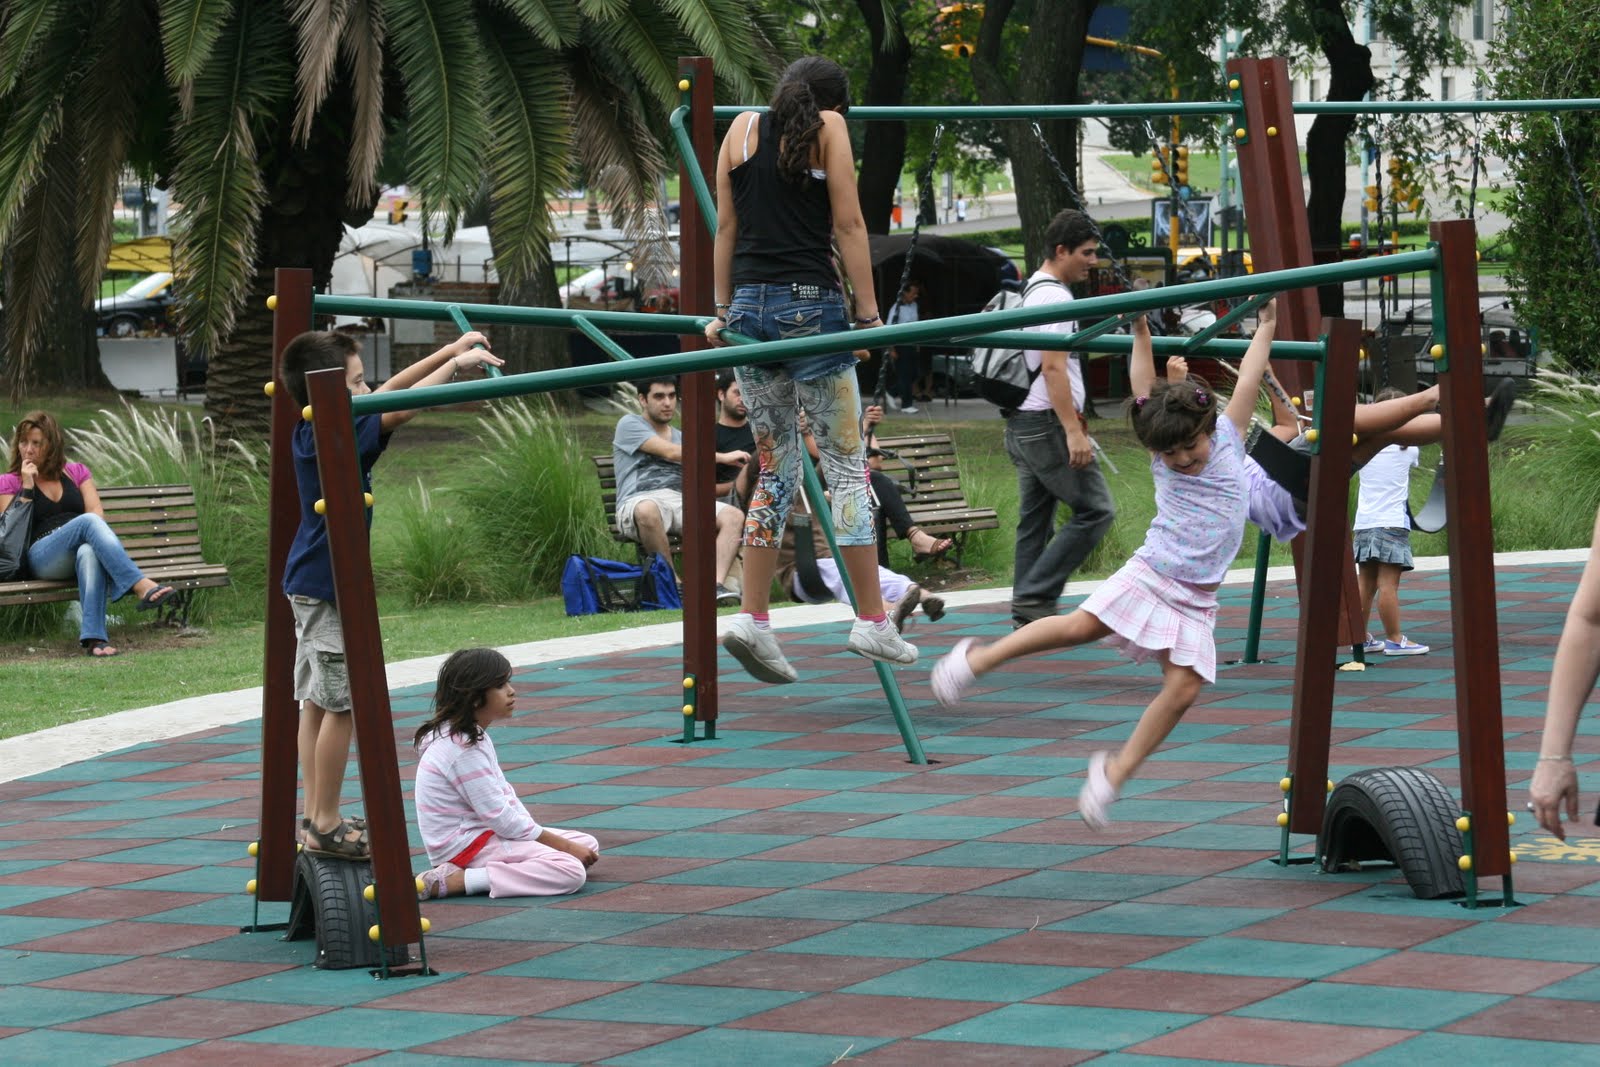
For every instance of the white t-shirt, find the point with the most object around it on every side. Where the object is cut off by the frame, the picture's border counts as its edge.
(1056, 293)
(901, 312)
(1385, 488)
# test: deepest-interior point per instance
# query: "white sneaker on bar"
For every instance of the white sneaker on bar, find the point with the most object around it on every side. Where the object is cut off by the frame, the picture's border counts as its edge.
(757, 651)
(881, 643)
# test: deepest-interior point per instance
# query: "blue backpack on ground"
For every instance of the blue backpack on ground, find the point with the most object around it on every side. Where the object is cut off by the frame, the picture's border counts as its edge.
(591, 585)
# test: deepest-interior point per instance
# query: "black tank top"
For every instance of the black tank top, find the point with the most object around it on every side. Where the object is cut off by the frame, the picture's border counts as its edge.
(785, 228)
(50, 514)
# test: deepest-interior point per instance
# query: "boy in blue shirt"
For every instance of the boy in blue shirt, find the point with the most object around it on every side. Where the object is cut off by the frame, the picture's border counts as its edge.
(321, 683)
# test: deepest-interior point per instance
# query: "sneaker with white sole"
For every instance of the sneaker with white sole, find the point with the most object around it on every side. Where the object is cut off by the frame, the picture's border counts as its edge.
(952, 675)
(1404, 647)
(757, 651)
(1372, 644)
(725, 595)
(881, 643)
(1097, 795)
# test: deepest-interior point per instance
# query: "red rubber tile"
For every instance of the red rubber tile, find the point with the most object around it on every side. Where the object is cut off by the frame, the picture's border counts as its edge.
(132, 938)
(76, 848)
(1536, 1019)
(1270, 1041)
(674, 899)
(197, 1019)
(852, 850)
(868, 1016)
(992, 912)
(450, 955)
(578, 1040)
(1330, 926)
(803, 823)
(996, 807)
(1127, 987)
(735, 798)
(913, 1053)
(796, 971)
(1061, 948)
(211, 1053)
(727, 932)
(110, 904)
(1252, 893)
(1459, 974)
(90, 874)
(1149, 859)
(493, 994)
(899, 878)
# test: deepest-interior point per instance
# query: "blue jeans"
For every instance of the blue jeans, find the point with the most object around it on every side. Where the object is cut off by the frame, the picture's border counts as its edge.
(1045, 556)
(88, 547)
(825, 388)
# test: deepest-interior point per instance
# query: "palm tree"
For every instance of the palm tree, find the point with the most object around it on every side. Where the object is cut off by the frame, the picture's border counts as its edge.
(269, 118)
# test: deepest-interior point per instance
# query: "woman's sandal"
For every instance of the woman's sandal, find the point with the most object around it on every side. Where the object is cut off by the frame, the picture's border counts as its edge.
(941, 545)
(338, 842)
(99, 649)
(155, 597)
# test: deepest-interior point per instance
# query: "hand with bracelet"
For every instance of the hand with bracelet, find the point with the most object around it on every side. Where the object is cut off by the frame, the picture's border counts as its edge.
(715, 327)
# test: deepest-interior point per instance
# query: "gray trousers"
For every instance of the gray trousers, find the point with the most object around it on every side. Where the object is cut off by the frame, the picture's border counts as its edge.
(1046, 556)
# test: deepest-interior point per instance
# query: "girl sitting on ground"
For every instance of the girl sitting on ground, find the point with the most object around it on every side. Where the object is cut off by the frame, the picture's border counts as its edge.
(1162, 604)
(480, 837)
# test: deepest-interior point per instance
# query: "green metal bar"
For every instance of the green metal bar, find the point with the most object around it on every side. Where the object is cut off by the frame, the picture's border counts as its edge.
(1121, 344)
(702, 192)
(1105, 325)
(822, 511)
(593, 333)
(460, 319)
(1437, 294)
(1258, 600)
(558, 318)
(1192, 343)
(1196, 107)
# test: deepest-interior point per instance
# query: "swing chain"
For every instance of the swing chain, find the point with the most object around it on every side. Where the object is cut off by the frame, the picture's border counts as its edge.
(1577, 188)
(924, 181)
(1477, 160)
(1078, 198)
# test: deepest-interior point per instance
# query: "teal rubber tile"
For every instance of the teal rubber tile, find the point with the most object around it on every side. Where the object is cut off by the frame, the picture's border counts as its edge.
(180, 853)
(717, 1045)
(1463, 1050)
(331, 989)
(569, 772)
(872, 803)
(822, 781)
(557, 924)
(16, 929)
(936, 827)
(1130, 1059)
(24, 968)
(639, 817)
(603, 687)
(234, 911)
(896, 940)
(14, 896)
(999, 854)
(1175, 920)
(762, 759)
(1201, 752)
(1192, 811)
(1379, 720)
(1383, 1006)
(980, 744)
(1083, 885)
(608, 795)
(1267, 959)
(1230, 837)
(252, 757)
(373, 1028)
(1183, 733)
(1149, 781)
(433, 1059)
(96, 771)
(201, 879)
(837, 904)
(1585, 986)
(1445, 739)
(741, 738)
(707, 845)
(1050, 1026)
(27, 1005)
(761, 874)
(82, 1050)
(1525, 941)
(1020, 766)
(676, 1004)
(158, 827)
(114, 790)
(263, 946)
(958, 980)
(551, 753)
(615, 963)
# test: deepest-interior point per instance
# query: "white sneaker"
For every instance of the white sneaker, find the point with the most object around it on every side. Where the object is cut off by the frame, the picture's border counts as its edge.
(909, 409)
(1372, 644)
(952, 675)
(1097, 795)
(882, 643)
(1404, 647)
(757, 651)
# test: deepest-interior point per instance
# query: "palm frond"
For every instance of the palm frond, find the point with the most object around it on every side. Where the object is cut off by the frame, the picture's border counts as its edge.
(448, 131)
(530, 136)
(553, 22)
(318, 25)
(30, 118)
(217, 176)
(27, 22)
(362, 47)
(719, 29)
(602, 10)
(189, 32)
(644, 43)
(39, 249)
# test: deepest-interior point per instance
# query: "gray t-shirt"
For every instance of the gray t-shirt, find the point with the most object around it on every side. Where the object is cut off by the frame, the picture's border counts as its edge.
(637, 470)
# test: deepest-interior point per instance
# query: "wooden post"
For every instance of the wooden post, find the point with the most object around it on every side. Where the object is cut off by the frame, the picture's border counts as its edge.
(280, 711)
(1471, 538)
(699, 406)
(342, 492)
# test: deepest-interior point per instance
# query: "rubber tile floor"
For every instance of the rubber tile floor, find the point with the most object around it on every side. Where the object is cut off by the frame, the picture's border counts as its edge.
(796, 892)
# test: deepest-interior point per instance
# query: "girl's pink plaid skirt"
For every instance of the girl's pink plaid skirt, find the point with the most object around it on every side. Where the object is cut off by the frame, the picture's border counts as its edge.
(1155, 617)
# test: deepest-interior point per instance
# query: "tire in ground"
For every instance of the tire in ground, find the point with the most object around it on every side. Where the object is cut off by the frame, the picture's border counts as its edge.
(329, 902)
(1401, 815)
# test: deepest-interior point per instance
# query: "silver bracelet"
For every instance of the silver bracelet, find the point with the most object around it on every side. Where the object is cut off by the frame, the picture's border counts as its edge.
(1555, 759)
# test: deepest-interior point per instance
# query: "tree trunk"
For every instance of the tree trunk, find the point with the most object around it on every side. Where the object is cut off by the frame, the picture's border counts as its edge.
(67, 352)
(1047, 73)
(1350, 78)
(301, 226)
(530, 348)
(883, 155)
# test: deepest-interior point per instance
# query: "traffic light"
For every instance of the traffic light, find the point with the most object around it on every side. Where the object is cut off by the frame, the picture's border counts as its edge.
(397, 210)
(956, 22)
(1159, 170)
(1372, 198)
(1180, 166)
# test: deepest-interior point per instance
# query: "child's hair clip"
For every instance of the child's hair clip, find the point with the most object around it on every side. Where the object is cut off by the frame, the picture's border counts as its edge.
(1200, 395)
(1138, 401)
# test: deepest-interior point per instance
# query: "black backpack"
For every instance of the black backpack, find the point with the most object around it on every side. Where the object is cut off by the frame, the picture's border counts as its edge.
(1001, 375)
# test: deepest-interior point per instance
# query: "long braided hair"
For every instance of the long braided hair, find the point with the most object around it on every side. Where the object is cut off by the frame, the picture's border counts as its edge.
(809, 87)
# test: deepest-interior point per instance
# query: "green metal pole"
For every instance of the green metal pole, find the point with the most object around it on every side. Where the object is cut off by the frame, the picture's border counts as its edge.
(1198, 108)
(1258, 599)
(460, 319)
(697, 181)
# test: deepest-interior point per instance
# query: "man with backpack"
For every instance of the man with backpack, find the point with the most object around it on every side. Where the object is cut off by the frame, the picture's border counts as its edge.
(1048, 441)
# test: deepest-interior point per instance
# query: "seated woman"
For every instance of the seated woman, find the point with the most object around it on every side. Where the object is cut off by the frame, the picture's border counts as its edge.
(892, 510)
(69, 533)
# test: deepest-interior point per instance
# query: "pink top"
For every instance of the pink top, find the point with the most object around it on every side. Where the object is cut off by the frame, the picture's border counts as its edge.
(1199, 521)
(461, 792)
(11, 484)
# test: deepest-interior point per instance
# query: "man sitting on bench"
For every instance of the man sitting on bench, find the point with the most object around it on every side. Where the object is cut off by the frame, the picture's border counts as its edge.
(647, 453)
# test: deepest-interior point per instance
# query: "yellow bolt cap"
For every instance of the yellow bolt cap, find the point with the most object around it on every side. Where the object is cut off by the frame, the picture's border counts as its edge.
(1312, 435)
(1330, 785)
(298, 847)
(250, 887)
(1285, 783)
(370, 893)
(1296, 401)
(1483, 350)
(1436, 351)
(1233, 83)
(1477, 256)
(1239, 134)
(1511, 818)
(1512, 856)
(320, 507)
(305, 413)
(272, 302)
(1272, 131)
(366, 498)
(255, 848)
(688, 709)
(374, 934)
(1463, 824)
(688, 683)
(422, 887)
(1465, 863)
(1283, 818)
(270, 388)
(683, 85)
(426, 925)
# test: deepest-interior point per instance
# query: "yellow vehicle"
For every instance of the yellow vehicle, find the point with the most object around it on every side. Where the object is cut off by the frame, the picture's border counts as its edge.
(1190, 257)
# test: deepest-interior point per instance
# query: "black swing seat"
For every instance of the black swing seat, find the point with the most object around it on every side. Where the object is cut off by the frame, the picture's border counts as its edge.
(1431, 519)
(1284, 464)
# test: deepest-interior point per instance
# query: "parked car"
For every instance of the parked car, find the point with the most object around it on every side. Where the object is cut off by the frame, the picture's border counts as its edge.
(140, 308)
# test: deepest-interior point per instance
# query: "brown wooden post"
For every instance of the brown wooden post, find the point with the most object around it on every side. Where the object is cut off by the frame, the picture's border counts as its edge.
(280, 712)
(699, 405)
(351, 555)
(1471, 538)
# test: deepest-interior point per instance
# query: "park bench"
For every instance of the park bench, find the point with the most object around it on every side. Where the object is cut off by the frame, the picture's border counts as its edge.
(159, 525)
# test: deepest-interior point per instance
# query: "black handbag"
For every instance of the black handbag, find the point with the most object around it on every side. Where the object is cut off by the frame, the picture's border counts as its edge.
(15, 524)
